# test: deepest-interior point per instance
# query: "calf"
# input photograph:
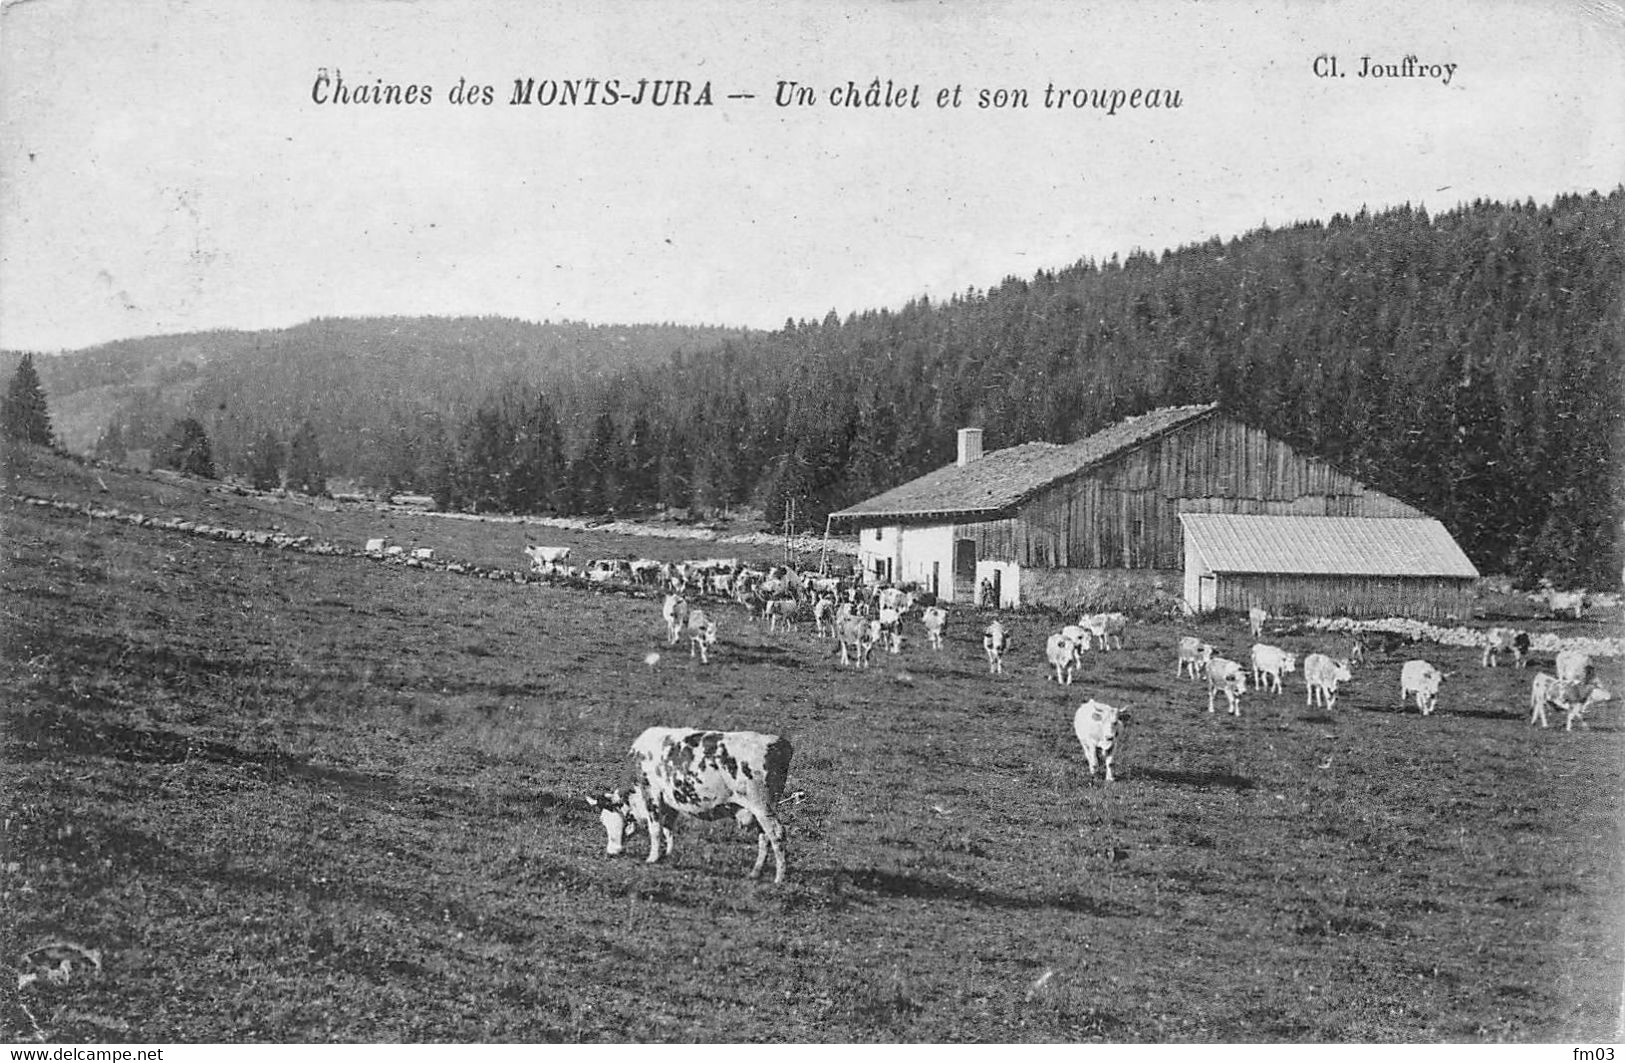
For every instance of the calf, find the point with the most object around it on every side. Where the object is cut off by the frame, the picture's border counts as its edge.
(861, 635)
(1097, 725)
(935, 618)
(1193, 654)
(1421, 679)
(1573, 698)
(1505, 640)
(1063, 656)
(704, 775)
(702, 632)
(824, 617)
(1228, 676)
(675, 611)
(995, 642)
(1269, 662)
(1255, 620)
(1321, 675)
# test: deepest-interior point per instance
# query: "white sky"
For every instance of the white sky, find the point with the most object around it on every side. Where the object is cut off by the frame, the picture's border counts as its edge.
(164, 168)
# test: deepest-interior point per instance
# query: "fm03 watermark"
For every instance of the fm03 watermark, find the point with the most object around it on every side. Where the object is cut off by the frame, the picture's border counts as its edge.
(1600, 1054)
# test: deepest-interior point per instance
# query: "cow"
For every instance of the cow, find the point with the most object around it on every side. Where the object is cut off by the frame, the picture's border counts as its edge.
(935, 618)
(891, 626)
(1573, 666)
(1270, 662)
(781, 610)
(824, 617)
(376, 546)
(1566, 601)
(702, 632)
(1104, 628)
(1422, 680)
(1063, 656)
(675, 610)
(1573, 698)
(547, 558)
(1321, 675)
(995, 642)
(1255, 620)
(896, 598)
(861, 635)
(1505, 640)
(1357, 652)
(678, 771)
(1193, 654)
(1228, 676)
(1097, 725)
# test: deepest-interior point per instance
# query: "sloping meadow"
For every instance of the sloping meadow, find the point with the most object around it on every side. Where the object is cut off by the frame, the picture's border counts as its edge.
(292, 798)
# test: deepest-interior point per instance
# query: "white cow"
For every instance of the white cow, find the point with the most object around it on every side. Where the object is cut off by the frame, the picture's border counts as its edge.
(675, 609)
(891, 626)
(1573, 698)
(1270, 663)
(1321, 675)
(1228, 676)
(935, 618)
(824, 617)
(1097, 725)
(1063, 656)
(995, 642)
(1255, 620)
(781, 611)
(1501, 640)
(1422, 680)
(546, 558)
(1104, 628)
(703, 775)
(1193, 654)
(1573, 666)
(702, 632)
(861, 635)
(1567, 601)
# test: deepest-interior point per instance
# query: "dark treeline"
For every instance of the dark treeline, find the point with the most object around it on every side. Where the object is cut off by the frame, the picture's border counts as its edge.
(1468, 362)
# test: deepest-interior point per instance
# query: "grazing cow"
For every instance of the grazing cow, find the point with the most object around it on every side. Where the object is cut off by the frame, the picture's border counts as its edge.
(547, 558)
(1573, 698)
(824, 617)
(675, 610)
(1255, 620)
(995, 642)
(1104, 628)
(376, 546)
(1228, 676)
(1421, 679)
(1505, 640)
(678, 771)
(1269, 662)
(1573, 666)
(781, 610)
(1321, 675)
(935, 619)
(1193, 654)
(1097, 725)
(861, 635)
(702, 632)
(1063, 656)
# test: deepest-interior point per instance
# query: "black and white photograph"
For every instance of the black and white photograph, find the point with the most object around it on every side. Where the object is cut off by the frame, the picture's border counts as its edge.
(1002, 522)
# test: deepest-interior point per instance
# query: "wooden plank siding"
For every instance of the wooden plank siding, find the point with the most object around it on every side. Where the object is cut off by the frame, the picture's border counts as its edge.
(1124, 513)
(1356, 596)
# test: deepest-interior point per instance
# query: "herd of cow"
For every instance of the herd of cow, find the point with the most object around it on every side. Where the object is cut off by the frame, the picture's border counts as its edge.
(707, 774)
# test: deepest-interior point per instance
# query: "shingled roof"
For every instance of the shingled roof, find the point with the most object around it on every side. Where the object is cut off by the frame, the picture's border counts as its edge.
(1325, 546)
(1002, 479)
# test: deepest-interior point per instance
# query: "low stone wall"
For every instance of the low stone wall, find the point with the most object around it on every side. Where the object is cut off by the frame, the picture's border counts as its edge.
(1141, 593)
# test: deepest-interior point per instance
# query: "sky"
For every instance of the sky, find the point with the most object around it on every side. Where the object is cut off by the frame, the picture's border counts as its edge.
(166, 166)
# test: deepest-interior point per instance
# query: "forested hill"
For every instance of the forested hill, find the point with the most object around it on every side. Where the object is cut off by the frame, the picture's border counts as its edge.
(357, 381)
(1468, 362)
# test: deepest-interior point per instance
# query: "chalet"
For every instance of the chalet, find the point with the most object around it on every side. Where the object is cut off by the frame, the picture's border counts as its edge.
(1181, 497)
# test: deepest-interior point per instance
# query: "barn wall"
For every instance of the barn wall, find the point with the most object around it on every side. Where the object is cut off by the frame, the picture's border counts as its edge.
(1356, 596)
(1075, 590)
(1126, 513)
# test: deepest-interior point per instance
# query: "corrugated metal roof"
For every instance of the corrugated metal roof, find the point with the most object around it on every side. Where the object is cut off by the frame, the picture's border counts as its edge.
(1002, 478)
(1329, 546)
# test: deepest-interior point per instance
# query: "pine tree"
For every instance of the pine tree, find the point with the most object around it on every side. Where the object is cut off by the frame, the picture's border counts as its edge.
(265, 463)
(25, 412)
(306, 472)
(185, 449)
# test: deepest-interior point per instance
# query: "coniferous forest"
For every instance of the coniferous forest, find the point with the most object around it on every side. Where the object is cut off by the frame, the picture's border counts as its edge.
(1468, 362)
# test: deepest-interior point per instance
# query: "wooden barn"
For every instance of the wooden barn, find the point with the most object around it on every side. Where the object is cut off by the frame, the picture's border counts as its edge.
(1040, 523)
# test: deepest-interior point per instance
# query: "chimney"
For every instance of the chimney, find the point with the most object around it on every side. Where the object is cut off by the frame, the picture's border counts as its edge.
(970, 446)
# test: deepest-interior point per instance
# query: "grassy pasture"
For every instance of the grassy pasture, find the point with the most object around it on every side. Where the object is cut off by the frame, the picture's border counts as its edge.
(307, 798)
